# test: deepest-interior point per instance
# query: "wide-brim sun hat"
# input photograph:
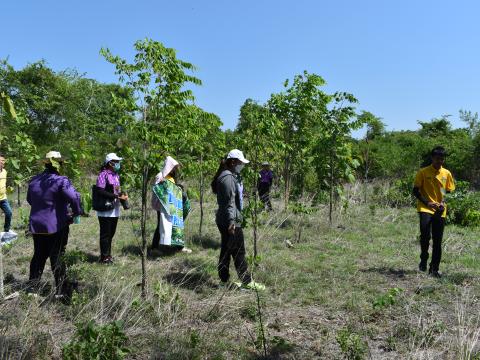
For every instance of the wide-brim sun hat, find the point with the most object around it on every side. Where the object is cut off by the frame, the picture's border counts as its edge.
(112, 157)
(55, 155)
(237, 154)
(265, 163)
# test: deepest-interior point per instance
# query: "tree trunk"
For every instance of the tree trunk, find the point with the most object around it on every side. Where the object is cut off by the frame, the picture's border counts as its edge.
(19, 203)
(201, 195)
(143, 221)
(365, 179)
(143, 217)
(255, 216)
(332, 180)
(286, 177)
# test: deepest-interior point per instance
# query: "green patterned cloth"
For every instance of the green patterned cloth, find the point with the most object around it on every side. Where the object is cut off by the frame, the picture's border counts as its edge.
(176, 206)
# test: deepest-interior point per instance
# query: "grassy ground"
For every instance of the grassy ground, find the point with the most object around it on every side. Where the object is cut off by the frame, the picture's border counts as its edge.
(351, 290)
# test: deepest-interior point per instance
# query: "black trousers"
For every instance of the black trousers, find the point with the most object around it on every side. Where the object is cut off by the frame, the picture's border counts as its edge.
(431, 227)
(156, 234)
(108, 226)
(49, 246)
(233, 246)
(264, 193)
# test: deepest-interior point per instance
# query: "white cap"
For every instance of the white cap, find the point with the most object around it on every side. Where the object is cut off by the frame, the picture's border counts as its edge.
(237, 154)
(112, 156)
(53, 155)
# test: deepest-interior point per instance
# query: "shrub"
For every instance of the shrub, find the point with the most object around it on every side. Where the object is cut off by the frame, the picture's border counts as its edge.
(463, 206)
(351, 344)
(99, 342)
(387, 299)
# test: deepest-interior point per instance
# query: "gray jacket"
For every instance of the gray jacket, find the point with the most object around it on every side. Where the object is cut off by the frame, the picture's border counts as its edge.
(228, 200)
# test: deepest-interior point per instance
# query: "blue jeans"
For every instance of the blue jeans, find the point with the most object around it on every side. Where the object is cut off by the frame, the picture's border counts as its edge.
(5, 206)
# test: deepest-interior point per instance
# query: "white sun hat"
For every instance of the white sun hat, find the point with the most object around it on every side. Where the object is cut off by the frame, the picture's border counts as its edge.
(53, 155)
(237, 154)
(112, 157)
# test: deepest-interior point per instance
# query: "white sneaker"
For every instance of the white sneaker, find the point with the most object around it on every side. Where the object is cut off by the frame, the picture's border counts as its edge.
(8, 237)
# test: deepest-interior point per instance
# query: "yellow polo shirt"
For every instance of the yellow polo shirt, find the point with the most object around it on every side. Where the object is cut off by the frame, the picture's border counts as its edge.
(3, 184)
(433, 185)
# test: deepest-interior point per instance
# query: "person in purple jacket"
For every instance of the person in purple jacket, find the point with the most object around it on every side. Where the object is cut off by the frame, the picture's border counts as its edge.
(50, 196)
(108, 186)
(265, 180)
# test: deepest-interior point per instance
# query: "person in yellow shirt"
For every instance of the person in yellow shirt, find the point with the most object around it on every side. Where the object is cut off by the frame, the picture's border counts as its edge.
(431, 185)
(4, 204)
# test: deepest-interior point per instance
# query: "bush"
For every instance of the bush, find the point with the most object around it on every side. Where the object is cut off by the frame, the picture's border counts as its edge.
(387, 299)
(99, 342)
(351, 344)
(463, 206)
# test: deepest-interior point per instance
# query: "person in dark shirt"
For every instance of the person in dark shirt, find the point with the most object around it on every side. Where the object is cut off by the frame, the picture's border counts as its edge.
(264, 184)
(50, 195)
(229, 191)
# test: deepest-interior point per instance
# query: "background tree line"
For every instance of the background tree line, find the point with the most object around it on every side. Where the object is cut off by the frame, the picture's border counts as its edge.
(303, 131)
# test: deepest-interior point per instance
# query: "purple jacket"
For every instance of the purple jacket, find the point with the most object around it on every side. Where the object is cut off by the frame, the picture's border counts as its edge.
(49, 194)
(266, 176)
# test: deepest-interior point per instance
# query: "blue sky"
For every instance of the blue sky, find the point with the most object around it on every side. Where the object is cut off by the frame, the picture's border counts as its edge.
(404, 60)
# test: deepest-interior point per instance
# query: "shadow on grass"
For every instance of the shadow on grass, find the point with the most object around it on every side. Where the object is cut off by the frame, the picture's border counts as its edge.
(390, 272)
(206, 242)
(458, 278)
(132, 250)
(191, 274)
(88, 257)
(152, 253)
(191, 280)
(43, 288)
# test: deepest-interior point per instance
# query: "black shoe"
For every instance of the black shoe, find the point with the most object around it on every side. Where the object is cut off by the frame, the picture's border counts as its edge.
(422, 267)
(435, 274)
(107, 260)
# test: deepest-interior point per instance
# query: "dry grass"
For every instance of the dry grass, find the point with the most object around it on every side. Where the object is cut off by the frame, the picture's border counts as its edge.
(325, 284)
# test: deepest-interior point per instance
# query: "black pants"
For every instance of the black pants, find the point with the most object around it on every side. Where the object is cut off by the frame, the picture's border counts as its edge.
(156, 234)
(431, 226)
(264, 193)
(233, 246)
(49, 246)
(108, 226)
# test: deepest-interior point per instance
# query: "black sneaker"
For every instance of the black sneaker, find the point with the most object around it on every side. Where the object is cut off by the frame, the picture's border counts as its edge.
(106, 260)
(435, 274)
(422, 267)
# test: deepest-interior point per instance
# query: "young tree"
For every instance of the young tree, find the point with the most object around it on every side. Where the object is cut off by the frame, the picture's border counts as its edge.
(201, 148)
(259, 135)
(15, 142)
(334, 141)
(157, 78)
(375, 129)
(302, 108)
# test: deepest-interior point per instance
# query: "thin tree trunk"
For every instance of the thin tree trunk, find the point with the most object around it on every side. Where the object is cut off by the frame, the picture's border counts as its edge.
(201, 195)
(365, 180)
(332, 180)
(19, 203)
(143, 229)
(286, 177)
(255, 213)
(143, 218)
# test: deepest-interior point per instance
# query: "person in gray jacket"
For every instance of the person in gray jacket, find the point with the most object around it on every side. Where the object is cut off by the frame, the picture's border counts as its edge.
(228, 187)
